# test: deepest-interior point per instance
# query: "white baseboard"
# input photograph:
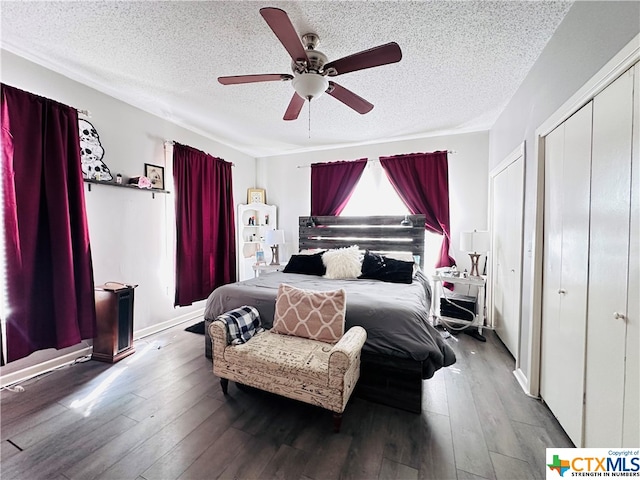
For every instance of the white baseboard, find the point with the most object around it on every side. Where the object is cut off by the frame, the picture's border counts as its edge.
(523, 381)
(145, 332)
(67, 359)
(43, 367)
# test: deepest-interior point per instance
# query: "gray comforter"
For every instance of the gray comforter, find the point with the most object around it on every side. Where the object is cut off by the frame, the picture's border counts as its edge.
(394, 315)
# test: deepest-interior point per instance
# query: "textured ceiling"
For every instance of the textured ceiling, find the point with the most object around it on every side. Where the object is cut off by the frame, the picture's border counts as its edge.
(462, 62)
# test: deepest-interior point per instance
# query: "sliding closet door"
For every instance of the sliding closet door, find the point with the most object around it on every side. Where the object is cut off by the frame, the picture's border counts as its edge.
(566, 260)
(609, 263)
(631, 425)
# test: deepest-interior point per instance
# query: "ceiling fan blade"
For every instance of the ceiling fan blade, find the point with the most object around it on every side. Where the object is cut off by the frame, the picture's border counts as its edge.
(281, 25)
(374, 57)
(294, 108)
(267, 77)
(349, 98)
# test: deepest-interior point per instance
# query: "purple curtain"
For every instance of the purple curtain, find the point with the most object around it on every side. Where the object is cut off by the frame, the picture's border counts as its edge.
(332, 185)
(422, 182)
(48, 257)
(205, 225)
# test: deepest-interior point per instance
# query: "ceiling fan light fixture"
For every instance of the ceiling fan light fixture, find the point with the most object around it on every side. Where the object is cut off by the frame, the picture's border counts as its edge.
(310, 85)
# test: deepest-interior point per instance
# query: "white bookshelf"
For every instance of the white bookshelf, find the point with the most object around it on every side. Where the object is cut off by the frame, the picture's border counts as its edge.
(253, 220)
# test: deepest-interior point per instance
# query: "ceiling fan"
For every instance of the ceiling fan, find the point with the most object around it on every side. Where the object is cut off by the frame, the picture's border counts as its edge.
(310, 68)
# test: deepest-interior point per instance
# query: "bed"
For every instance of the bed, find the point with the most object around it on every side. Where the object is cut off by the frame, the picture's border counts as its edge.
(402, 347)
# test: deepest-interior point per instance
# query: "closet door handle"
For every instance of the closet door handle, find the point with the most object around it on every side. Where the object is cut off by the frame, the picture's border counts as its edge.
(618, 316)
(562, 291)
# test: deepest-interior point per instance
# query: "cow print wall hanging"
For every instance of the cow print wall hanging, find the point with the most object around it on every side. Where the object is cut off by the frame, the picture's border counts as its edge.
(91, 153)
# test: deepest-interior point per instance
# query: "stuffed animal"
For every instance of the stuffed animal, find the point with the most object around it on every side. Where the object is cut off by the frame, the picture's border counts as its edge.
(91, 153)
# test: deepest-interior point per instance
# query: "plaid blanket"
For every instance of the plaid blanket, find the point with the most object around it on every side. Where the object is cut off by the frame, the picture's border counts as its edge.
(242, 324)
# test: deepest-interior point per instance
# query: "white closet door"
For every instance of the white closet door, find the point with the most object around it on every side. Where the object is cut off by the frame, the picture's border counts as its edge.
(551, 345)
(566, 259)
(631, 426)
(516, 221)
(609, 267)
(499, 230)
(575, 260)
(506, 228)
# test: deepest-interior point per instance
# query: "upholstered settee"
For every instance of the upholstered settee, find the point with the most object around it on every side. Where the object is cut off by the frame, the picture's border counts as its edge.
(299, 368)
(322, 373)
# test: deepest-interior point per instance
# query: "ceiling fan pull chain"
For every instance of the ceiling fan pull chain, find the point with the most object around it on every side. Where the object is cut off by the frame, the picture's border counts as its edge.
(309, 118)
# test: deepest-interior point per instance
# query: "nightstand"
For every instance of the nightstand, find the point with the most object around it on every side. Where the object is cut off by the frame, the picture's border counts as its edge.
(258, 269)
(479, 284)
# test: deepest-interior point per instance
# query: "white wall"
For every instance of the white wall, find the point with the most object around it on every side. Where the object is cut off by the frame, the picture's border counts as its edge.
(289, 187)
(131, 233)
(590, 35)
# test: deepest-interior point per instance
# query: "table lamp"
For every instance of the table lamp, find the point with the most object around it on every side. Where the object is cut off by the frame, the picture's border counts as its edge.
(274, 238)
(475, 244)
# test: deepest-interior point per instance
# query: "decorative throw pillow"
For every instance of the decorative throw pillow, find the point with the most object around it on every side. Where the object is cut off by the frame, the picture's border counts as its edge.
(310, 314)
(342, 262)
(312, 251)
(242, 324)
(379, 267)
(306, 264)
(404, 256)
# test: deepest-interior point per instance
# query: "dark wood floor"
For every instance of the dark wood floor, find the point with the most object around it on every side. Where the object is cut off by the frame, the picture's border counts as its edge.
(160, 414)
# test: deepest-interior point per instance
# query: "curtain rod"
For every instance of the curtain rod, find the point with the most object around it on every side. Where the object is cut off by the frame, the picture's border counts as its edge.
(172, 142)
(452, 152)
(86, 113)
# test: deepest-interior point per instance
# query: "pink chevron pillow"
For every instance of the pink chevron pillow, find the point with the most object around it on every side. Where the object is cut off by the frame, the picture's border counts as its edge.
(310, 314)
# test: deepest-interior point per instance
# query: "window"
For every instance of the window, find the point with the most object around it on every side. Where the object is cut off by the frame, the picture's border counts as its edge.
(374, 195)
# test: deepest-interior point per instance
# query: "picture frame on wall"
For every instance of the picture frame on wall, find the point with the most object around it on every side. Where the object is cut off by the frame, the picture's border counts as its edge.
(155, 173)
(256, 195)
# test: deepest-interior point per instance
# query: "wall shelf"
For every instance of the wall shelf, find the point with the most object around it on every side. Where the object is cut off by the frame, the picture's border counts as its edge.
(123, 185)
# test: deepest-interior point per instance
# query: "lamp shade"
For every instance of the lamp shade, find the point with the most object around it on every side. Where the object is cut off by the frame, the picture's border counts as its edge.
(274, 237)
(476, 242)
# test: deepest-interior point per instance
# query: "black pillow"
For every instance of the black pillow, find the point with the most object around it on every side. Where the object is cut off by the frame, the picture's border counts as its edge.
(306, 264)
(379, 267)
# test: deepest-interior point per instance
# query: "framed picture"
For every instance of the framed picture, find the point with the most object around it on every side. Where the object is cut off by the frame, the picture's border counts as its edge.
(256, 195)
(155, 173)
(260, 258)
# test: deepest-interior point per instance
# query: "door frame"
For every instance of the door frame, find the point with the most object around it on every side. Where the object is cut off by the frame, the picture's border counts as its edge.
(621, 62)
(515, 156)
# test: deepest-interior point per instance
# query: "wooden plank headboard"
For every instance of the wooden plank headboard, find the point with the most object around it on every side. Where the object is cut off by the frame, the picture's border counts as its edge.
(380, 234)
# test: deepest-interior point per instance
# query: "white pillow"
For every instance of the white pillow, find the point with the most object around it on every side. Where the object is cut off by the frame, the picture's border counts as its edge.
(342, 262)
